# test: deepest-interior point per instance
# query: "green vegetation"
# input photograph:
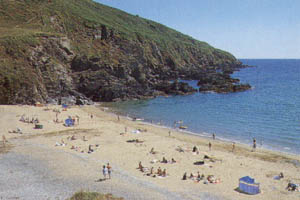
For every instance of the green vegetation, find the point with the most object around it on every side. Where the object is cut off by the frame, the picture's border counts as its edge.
(32, 54)
(93, 196)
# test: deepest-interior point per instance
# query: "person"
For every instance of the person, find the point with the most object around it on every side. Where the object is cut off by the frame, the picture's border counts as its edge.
(209, 146)
(4, 140)
(73, 137)
(90, 149)
(233, 146)
(164, 160)
(151, 172)
(152, 150)
(92, 116)
(173, 161)
(63, 142)
(195, 149)
(169, 133)
(77, 119)
(164, 173)
(191, 176)
(118, 118)
(213, 136)
(108, 170)
(281, 175)
(254, 144)
(198, 176)
(140, 166)
(104, 171)
(184, 176)
(159, 172)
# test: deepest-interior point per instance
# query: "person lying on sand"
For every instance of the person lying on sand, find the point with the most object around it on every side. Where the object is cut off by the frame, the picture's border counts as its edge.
(173, 161)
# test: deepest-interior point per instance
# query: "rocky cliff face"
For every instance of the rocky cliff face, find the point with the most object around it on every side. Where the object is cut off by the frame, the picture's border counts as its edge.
(61, 53)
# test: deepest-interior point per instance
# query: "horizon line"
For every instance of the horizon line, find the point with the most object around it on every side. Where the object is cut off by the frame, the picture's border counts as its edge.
(272, 58)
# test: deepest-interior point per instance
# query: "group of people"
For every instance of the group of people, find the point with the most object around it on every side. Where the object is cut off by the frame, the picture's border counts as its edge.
(27, 120)
(160, 172)
(106, 171)
(164, 160)
(193, 177)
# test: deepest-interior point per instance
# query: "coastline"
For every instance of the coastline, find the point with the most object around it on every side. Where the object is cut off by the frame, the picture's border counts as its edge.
(109, 108)
(105, 129)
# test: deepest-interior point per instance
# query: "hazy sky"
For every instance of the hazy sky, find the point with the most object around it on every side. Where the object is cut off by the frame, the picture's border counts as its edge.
(246, 28)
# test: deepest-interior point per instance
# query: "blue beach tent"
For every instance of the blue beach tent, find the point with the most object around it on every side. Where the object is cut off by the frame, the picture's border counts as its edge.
(69, 122)
(248, 185)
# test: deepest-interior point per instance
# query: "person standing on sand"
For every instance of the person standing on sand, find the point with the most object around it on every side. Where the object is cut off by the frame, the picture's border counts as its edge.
(4, 140)
(108, 170)
(233, 146)
(254, 144)
(213, 136)
(209, 146)
(105, 172)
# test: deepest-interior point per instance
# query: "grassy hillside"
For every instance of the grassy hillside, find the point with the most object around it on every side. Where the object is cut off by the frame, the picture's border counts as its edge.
(33, 35)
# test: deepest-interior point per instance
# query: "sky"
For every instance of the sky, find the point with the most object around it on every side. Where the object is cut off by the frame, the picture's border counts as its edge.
(245, 28)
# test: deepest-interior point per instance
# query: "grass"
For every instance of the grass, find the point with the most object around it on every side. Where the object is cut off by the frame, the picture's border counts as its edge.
(93, 196)
(28, 24)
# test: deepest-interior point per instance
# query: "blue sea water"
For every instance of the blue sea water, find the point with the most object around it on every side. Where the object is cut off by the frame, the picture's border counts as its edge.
(269, 112)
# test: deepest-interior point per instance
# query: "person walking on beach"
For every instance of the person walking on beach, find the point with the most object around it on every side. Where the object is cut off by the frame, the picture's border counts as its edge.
(108, 170)
(254, 144)
(213, 136)
(209, 146)
(105, 172)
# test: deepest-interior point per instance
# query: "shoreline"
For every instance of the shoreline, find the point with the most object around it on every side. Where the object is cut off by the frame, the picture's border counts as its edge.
(204, 135)
(105, 130)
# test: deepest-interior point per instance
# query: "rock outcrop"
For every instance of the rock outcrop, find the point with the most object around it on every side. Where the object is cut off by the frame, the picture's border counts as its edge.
(88, 51)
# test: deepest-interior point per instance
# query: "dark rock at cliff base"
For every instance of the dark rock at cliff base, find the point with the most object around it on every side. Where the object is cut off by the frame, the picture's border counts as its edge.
(90, 52)
(220, 83)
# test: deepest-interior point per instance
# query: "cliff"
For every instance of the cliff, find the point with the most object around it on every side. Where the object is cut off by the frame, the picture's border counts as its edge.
(79, 50)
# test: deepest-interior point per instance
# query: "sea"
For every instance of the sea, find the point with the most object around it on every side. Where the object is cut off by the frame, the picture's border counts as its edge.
(269, 112)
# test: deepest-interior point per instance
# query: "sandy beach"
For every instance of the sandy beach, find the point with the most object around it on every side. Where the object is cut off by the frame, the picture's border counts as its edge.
(47, 164)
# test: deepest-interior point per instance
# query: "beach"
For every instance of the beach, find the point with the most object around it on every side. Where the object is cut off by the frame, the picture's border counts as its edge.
(47, 164)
